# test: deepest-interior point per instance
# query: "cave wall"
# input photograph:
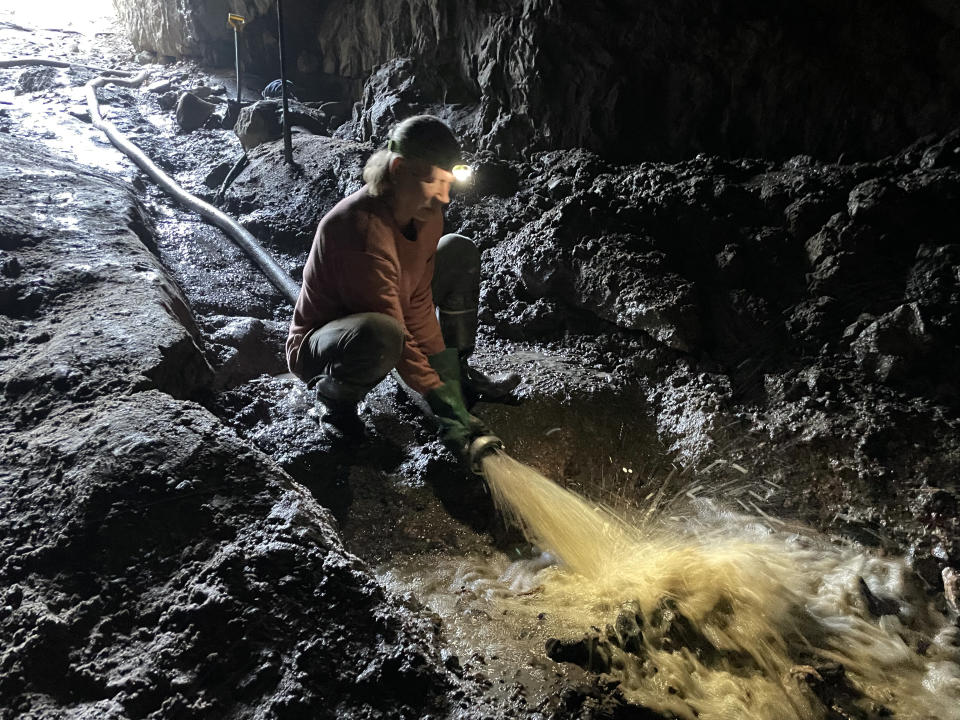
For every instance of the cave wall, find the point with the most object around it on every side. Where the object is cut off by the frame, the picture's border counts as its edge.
(653, 81)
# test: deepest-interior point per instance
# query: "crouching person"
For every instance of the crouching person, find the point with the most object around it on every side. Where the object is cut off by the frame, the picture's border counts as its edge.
(378, 276)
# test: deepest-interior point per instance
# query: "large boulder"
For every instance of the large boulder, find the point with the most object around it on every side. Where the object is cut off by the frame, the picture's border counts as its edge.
(263, 121)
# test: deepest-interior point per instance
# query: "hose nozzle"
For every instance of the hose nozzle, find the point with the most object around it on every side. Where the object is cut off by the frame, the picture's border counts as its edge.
(481, 446)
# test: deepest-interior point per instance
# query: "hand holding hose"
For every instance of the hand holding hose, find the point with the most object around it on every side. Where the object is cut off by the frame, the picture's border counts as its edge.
(458, 428)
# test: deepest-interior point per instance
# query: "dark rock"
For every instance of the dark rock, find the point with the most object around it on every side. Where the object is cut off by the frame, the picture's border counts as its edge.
(263, 122)
(259, 123)
(192, 112)
(807, 214)
(38, 79)
(337, 112)
(168, 101)
(945, 153)
(876, 605)
(603, 77)
(394, 91)
(591, 653)
(249, 347)
(628, 630)
(893, 345)
(934, 278)
(285, 208)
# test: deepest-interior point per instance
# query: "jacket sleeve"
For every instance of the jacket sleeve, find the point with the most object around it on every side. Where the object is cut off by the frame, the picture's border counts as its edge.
(422, 314)
(370, 283)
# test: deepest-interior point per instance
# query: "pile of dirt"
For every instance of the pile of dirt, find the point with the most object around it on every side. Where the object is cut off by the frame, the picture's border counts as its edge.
(155, 565)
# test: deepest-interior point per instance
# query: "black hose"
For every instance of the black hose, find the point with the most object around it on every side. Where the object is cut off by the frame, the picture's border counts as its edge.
(240, 235)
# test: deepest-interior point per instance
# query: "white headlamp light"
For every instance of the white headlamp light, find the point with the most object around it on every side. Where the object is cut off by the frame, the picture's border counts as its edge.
(461, 173)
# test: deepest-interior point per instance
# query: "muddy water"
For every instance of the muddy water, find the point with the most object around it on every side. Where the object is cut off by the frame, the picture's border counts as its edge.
(737, 618)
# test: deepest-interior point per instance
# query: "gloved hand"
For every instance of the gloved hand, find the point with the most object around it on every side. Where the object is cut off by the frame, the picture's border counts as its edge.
(457, 426)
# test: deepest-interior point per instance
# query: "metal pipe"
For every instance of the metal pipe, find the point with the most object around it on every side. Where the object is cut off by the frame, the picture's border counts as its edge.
(479, 448)
(237, 22)
(287, 144)
(236, 53)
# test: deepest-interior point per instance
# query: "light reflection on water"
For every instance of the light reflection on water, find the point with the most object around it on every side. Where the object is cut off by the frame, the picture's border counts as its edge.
(785, 597)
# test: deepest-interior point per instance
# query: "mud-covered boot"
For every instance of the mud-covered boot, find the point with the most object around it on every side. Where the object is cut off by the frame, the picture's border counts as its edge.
(480, 387)
(340, 420)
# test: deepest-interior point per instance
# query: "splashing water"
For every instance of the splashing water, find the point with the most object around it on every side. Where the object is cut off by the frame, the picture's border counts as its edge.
(705, 622)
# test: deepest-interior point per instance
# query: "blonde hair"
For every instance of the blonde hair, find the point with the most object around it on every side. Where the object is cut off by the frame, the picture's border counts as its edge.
(376, 173)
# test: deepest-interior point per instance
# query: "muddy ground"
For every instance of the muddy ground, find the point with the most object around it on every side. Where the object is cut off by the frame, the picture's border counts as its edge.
(180, 540)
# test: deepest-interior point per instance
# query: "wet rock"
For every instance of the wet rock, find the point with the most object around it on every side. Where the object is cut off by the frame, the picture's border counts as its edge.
(192, 112)
(892, 346)
(105, 271)
(591, 653)
(284, 208)
(160, 87)
(38, 79)
(876, 605)
(249, 347)
(628, 630)
(263, 122)
(945, 153)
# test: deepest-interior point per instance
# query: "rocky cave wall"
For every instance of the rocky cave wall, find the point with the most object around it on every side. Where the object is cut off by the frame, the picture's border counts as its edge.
(664, 81)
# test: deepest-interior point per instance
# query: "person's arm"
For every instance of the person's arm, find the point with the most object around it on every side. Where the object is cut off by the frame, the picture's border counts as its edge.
(422, 314)
(370, 283)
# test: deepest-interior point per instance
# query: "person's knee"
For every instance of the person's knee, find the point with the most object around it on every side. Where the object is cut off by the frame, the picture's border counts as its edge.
(379, 339)
(456, 281)
(460, 248)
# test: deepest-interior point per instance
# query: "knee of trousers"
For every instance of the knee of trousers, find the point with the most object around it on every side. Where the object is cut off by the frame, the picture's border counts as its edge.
(456, 282)
(458, 247)
(358, 349)
(375, 347)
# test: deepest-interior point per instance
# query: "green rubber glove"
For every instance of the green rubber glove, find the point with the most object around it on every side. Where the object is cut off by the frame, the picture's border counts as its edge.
(457, 426)
(447, 364)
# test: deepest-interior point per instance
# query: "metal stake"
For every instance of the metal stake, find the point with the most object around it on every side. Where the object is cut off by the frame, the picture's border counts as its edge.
(236, 22)
(287, 145)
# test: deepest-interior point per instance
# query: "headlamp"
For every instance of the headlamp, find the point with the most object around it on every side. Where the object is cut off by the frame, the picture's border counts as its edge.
(461, 173)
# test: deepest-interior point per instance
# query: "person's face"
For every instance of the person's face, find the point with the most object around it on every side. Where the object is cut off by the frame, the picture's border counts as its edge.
(420, 189)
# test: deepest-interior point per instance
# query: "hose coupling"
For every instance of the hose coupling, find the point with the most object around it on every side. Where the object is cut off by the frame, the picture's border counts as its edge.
(479, 447)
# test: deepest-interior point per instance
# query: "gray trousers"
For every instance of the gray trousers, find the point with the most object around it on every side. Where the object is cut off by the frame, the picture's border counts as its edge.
(349, 356)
